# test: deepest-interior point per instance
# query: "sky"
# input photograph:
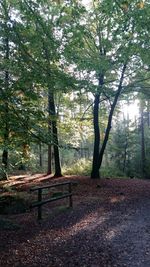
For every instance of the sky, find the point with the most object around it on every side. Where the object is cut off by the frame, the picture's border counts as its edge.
(131, 110)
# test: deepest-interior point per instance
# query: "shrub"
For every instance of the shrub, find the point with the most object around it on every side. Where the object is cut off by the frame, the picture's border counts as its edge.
(80, 167)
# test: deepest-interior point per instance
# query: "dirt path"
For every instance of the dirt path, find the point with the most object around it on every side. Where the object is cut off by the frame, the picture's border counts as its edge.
(108, 226)
(131, 243)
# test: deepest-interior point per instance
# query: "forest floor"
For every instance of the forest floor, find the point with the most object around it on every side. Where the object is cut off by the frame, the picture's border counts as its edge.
(109, 225)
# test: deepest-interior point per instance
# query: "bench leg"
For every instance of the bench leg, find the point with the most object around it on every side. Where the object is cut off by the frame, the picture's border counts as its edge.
(70, 197)
(39, 207)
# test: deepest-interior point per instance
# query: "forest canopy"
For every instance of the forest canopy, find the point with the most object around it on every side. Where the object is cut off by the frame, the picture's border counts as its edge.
(72, 72)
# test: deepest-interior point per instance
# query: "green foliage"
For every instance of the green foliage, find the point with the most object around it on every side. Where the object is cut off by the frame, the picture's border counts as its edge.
(83, 167)
(80, 167)
(112, 172)
(3, 173)
(64, 48)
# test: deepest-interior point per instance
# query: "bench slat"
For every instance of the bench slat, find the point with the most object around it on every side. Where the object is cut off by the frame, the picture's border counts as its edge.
(49, 186)
(37, 204)
(41, 202)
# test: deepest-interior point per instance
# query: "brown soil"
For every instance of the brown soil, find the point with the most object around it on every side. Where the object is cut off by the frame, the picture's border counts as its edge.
(109, 225)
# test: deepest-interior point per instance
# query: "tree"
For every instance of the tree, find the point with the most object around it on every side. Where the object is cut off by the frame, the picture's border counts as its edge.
(7, 47)
(6, 43)
(104, 45)
(40, 45)
(98, 53)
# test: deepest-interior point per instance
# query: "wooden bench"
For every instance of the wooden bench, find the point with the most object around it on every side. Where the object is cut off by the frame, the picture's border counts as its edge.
(40, 201)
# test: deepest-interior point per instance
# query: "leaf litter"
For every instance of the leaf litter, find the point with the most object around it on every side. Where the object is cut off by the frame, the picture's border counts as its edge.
(107, 226)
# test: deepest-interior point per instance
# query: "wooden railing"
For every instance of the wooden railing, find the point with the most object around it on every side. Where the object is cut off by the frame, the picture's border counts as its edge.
(40, 201)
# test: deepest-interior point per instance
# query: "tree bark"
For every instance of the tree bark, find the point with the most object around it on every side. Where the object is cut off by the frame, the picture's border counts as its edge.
(101, 154)
(148, 113)
(5, 158)
(56, 150)
(126, 127)
(125, 155)
(6, 87)
(52, 113)
(143, 155)
(40, 156)
(6, 139)
(49, 167)
(95, 168)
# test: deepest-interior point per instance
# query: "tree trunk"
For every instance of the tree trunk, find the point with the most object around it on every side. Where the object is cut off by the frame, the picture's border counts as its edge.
(5, 158)
(101, 154)
(49, 167)
(148, 113)
(6, 91)
(126, 127)
(54, 132)
(143, 156)
(125, 155)
(56, 150)
(49, 164)
(98, 156)
(95, 168)
(6, 139)
(40, 156)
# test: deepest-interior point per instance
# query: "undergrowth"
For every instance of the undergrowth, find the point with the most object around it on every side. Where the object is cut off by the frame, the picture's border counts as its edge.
(84, 166)
(80, 167)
